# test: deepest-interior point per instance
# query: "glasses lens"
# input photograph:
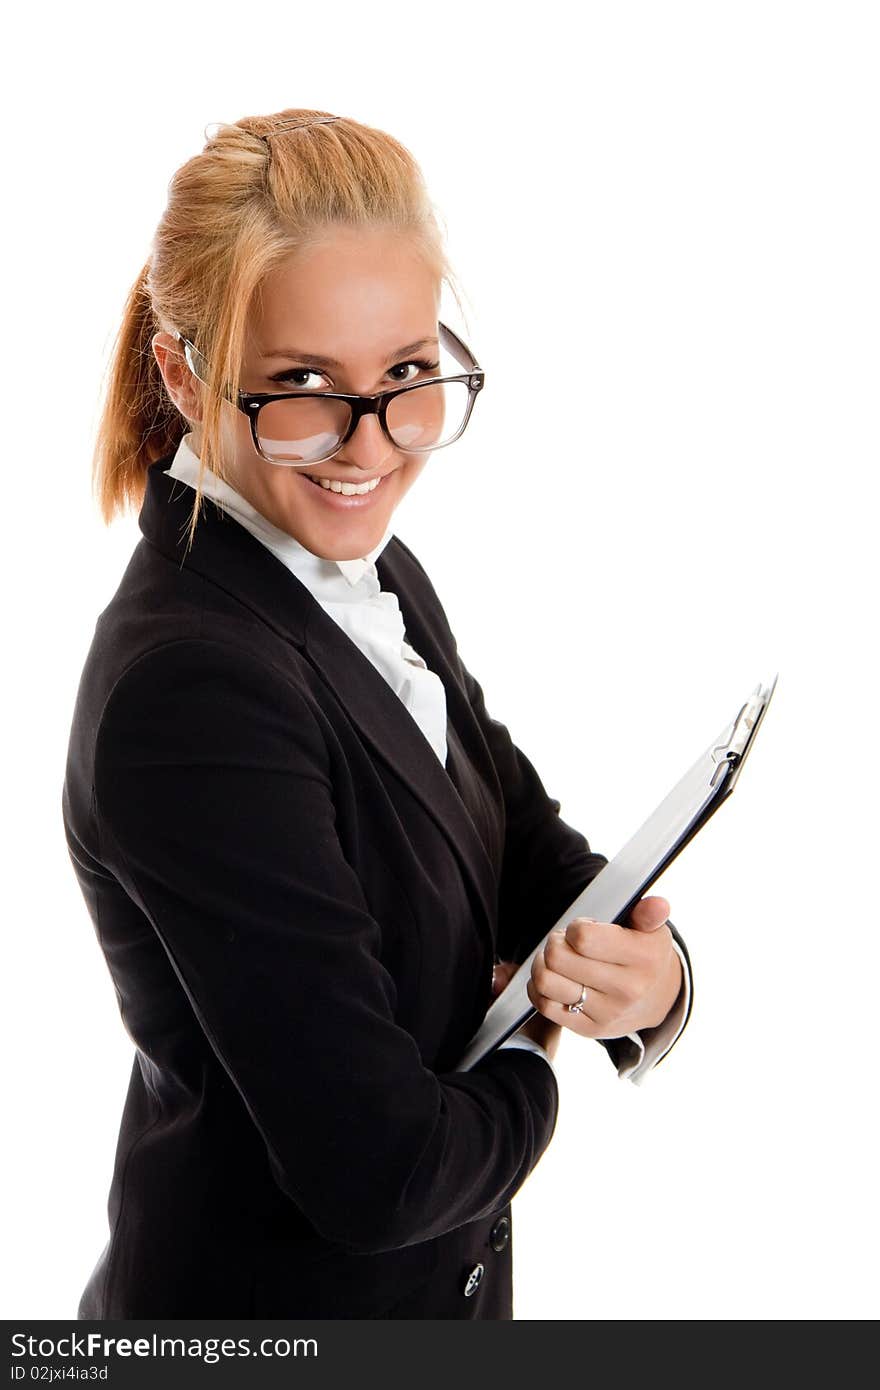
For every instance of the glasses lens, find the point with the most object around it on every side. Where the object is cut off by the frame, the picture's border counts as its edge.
(301, 430)
(428, 416)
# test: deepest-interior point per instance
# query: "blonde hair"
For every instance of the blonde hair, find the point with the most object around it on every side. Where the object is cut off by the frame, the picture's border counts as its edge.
(260, 189)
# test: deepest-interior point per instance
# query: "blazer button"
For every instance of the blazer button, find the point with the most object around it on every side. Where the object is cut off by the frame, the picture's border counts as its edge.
(499, 1236)
(473, 1281)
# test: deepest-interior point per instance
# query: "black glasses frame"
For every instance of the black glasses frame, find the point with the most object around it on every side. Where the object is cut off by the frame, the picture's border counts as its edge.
(250, 403)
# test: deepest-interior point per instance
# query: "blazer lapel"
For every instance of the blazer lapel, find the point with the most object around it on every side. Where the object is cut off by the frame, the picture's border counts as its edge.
(393, 735)
(469, 761)
(225, 553)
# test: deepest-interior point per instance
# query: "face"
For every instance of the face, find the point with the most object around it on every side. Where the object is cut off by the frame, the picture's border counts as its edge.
(356, 299)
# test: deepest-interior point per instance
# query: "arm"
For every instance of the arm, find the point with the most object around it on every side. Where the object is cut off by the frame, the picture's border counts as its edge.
(216, 812)
(651, 1045)
(546, 864)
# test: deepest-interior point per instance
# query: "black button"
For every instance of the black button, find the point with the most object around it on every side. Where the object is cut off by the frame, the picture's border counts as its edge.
(499, 1236)
(472, 1283)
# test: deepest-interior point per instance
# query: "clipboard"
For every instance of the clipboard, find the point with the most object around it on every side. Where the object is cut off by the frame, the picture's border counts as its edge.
(620, 883)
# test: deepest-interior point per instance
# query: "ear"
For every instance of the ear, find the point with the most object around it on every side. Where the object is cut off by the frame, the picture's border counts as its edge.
(183, 388)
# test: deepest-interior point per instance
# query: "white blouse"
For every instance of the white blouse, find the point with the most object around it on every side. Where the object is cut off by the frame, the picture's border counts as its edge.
(350, 592)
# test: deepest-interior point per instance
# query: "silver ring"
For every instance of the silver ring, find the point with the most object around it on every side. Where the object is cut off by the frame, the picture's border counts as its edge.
(578, 1007)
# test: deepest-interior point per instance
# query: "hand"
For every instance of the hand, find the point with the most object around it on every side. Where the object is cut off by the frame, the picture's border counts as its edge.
(541, 1030)
(633, 974)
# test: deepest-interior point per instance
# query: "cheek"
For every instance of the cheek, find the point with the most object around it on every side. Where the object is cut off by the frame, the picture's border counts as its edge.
(413, 466)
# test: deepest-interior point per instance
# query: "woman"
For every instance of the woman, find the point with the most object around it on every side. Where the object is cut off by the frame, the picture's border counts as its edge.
(305, 845)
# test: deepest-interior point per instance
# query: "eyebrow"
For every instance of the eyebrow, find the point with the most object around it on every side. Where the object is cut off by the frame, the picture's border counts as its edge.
(322, 361)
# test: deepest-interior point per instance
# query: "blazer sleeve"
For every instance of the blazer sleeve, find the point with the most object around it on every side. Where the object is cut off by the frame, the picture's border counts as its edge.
(546, 865)
(215, 807)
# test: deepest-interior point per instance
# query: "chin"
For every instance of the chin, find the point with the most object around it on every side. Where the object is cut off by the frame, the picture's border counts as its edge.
(350, 546)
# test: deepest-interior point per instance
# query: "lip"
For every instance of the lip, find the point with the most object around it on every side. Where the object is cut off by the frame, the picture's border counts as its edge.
(338, 500)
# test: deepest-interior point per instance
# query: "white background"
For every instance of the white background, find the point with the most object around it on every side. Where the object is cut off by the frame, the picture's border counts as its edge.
(665, 218)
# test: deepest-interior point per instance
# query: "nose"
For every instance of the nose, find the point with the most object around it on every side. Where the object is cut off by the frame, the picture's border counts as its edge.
(368, 448)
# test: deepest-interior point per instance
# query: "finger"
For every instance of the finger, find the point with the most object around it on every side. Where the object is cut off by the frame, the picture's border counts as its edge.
(649, 913)
(607, 941)
(589, 1021)
(558, 972)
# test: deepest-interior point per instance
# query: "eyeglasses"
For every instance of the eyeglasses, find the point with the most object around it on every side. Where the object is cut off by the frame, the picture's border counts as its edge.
(298, 428)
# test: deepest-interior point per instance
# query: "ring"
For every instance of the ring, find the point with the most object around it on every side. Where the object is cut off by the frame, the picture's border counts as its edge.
(578, 1007)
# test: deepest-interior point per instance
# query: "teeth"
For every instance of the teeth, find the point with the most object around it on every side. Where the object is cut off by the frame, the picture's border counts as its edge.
(347, 489)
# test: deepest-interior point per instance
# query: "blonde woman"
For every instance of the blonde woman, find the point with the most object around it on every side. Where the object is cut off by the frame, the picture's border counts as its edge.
(310, 854)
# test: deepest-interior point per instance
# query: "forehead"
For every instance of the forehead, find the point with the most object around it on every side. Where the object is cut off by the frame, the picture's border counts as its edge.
(356, 293)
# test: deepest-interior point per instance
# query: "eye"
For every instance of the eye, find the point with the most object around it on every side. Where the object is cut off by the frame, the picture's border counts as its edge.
(297, 377)
(421, 365)
(292, 377)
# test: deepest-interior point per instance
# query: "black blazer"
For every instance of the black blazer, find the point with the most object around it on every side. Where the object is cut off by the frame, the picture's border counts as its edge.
(300, 909)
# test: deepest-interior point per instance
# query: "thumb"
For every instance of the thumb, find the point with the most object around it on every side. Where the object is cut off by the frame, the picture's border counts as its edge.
(649, 914)
(502, 973)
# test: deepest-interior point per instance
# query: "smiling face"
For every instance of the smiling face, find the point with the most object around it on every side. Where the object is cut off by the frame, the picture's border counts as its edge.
(335, 318)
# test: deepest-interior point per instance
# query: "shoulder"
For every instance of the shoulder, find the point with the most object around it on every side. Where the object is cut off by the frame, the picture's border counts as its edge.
(184, 665)
(198, 696)
(398, 547)
(404, 572)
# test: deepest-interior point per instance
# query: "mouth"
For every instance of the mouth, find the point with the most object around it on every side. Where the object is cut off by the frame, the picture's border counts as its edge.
(345, 488)
(346, 496)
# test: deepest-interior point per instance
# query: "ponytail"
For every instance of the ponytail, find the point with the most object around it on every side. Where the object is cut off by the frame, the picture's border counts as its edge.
(139, 422)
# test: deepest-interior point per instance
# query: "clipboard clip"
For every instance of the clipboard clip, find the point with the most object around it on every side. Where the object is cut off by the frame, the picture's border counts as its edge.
(728, 754)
